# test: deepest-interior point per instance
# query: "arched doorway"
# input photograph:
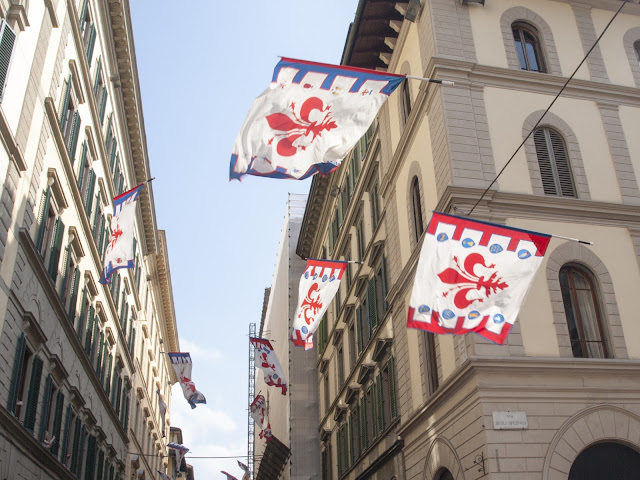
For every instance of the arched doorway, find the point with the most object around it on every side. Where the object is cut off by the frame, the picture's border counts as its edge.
(606, 460)
(444, 474)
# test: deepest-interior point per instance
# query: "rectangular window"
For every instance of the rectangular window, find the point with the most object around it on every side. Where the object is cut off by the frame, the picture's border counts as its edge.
(352, 346)
(374, 199)
(7, 40)
(327, 399)
(360, 238)
(340, 366)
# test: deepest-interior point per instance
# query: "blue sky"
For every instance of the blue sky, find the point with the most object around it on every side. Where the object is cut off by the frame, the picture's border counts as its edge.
(200, 65)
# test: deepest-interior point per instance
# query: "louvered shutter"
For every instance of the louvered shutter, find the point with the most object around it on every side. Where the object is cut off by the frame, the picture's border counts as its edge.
(94, 339)
(89, 335)
(46, 407)
(359, 327)
(392, 388)
(83, 13)
(57, 423)
(83, 435)
(113, 163)
(43, 216)
(65, 103)
(66, 262)
(103, 104)
(103, 368)
(563, 167)
(132, 344)
(372, 305)
(111, 472)
(100, 466)
(107, 383)
(90, 466)
(340, 211)
(73, 141)
(118, 393)
(7, 40)
(67, 433)
(126, 411)
(544, 162)
(99, 356)
(96, 82)
(81, 169)
(34, 391)
(16, 374)
(339, 438)
(364, 436)
(374, 409)
(74, 294)
(383, 276)
(92, 42)
(89, 199)
(352, 447)
(95, 223)
(381, 405)
(54, 258)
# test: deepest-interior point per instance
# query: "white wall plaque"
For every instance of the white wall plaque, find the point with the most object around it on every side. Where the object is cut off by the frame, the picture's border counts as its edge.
(510, 420)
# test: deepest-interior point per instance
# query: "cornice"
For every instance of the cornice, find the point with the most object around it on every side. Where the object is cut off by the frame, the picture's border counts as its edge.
(164, 279)
(312, 213)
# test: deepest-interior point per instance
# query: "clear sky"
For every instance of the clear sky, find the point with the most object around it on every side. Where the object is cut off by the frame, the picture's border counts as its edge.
(200, 68)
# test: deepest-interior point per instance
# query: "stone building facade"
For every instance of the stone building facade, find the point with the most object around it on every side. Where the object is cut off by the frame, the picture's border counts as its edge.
(81, 364)
(560, 398)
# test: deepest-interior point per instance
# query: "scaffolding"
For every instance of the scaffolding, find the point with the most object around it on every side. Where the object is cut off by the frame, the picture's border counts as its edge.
(250, 426)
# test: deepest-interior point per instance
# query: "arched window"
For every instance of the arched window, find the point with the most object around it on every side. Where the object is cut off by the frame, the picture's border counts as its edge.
(405, 101)
(606, 460)
(416, 209)
(555, 170)
(584, 313)
(528, 48)
(636, 47)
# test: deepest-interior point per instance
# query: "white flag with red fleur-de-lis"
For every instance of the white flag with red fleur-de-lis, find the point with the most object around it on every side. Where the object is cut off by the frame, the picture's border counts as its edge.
(318, 285)
(308, 119)
(473, 276)
(119, 252)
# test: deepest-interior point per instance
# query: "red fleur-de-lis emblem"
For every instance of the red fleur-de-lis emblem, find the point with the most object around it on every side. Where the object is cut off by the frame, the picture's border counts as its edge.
(299, 131)
(467, 280)
(311, 305)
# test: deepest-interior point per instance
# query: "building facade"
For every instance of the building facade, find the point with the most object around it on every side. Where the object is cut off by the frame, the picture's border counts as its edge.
(82, 363)
(560, 398)
(293, 453)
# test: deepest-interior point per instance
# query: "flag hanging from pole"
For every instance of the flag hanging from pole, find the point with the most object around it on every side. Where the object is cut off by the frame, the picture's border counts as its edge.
(119, 252)
(318, 285)
(308, 119)
(182, 365)
(229, 476)
(261, 417)
(163, 410)
(180, 451)
(473, 276)
(265, 358)
(245, 469)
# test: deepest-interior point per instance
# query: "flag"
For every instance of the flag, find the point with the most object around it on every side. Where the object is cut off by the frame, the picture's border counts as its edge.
(243, 466)
(308, 119)
(182, 365)
(164, 476)
(318, 285)
(261, 417)
(163, 410)
(265, 358)
(180, 451)
(229, 476)
(473, 276)
(119, 252)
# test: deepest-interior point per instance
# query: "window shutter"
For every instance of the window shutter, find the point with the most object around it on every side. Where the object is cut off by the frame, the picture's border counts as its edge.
(46, 407)
(364, 441)
(133, 342)
(380, 402)
(32, 398)
(65, 103)
(90, 466)
(374, 408)
(92, 42)
(74, 294)
(89, 335)
(544, 162)
(43, 216)
(103, 104)
(54, 259)
(372, 305)
(107, 383)
(114, 146)
(66, 262)
(73, 141)
(352, 450)
(7, 39)
(83, 13)
(89, 200)
(330, 239)
(339, 437)
(95, 223)
(57, 423)
(94, 339)
(83, 435)
(392, 388)
(118, 392)
(16, 375)
(126, 411)
(67, 432)
(83, 161)
(100, 467)
(563, 168)
(359, 327)
(99, 356)
(96, 82)
(340, 210)
(83, 308)
(383, 276)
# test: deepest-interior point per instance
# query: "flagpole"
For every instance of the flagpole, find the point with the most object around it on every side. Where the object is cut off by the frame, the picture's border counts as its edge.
(431, 80)
(572, 239)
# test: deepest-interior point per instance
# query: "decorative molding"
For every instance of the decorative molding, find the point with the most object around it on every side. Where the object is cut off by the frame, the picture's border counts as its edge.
(9, 143)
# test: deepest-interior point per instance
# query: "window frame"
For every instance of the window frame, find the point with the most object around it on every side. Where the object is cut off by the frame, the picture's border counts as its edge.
(416, 210)
(521, 53)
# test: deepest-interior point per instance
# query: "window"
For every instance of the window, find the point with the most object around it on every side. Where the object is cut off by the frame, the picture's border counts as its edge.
(431, 362)
(69, 118)
(100, 91)
(360, 238)
(636, 47)
(49, 231)
(7, 39)
(352, 346)
(405, 102)
(584, 314)
(86, 179)
(416, 210)
(363, 324)
(340, 366)
(528, 48)
(388, 381)
(375, 205)
(19, 373)
(88, 30)
(70, 279)
(555, 169)
(326, 462)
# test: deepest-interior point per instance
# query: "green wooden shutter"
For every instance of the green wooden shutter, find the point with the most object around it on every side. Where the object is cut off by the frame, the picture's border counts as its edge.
(96, 82)
(372, 305)
(352, 447)
(66, 264)
(94, 339)
(46, 407)
(57, 423)
(75, 448)
(103, 368)
(383, 276)
(339, 438)
(34, 391)
(380, 402)
(359, 327)
(83, 162)
(100, 467)
(374, 409)
(118, 393)
(107, 383)
(7, 40)
(16, 375)
(54, 258)
(43, 216)
(67, 433)
(73, 141)
(89, 200)
(89, 335)
(103, 104)
(74, 295)
(126, 411)
(92, 42)
(392, 388)
(132, 345)
(364, 441)
(99, 356)
(83, 13)
(90, 466)
(83, 436)
(65, 103)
